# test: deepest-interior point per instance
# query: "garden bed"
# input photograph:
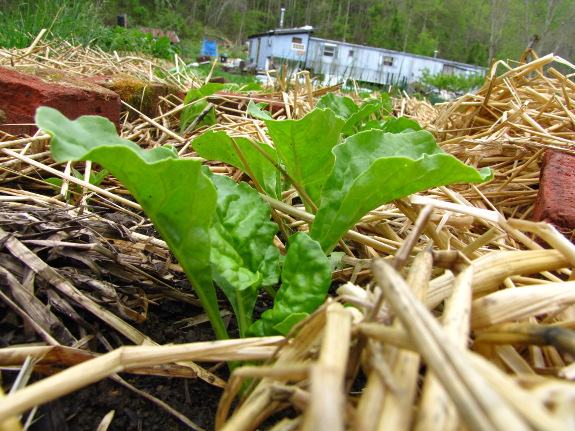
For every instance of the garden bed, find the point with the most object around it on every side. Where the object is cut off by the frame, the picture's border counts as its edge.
(462, 305)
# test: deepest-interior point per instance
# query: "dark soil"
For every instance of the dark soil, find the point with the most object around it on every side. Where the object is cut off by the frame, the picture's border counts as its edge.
(83, 410)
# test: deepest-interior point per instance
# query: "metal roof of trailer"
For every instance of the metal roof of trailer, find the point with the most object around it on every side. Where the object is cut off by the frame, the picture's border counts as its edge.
(278, 31)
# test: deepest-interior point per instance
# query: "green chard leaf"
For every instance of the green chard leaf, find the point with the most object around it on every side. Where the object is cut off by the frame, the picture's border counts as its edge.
(401, 125)
(243, 255)
(204, 91)
(160, 182)
(392, 125)
(354, 122)
(304, 146)
(256, 110)
(373, 168)
(386, 104)
(306, 278)
(219, 146)
(346, 108)
(190, 113)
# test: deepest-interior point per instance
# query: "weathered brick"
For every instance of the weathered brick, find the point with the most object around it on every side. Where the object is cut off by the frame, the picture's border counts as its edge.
(23, 90)
(555, 201)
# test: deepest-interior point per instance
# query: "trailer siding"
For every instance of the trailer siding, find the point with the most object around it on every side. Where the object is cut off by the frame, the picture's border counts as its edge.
(278, 45)
(340, 60)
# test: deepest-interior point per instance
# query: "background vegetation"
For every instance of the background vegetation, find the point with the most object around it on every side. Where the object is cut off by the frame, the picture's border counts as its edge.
(471, 31)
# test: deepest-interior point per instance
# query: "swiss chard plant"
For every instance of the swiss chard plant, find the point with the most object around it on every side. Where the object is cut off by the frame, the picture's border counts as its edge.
(218, 230)
(344, 161)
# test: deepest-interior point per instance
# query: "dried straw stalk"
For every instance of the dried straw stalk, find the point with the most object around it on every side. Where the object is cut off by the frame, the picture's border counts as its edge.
(128, 357)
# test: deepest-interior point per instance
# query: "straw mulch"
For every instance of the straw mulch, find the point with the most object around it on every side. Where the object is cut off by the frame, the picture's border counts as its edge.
(462, 312)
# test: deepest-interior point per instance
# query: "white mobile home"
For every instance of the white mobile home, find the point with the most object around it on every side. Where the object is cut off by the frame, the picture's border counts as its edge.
(274, 46)
(341, 60)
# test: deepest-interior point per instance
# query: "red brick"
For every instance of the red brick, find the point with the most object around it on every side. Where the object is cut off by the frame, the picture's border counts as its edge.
(555, 201)
(23, 90)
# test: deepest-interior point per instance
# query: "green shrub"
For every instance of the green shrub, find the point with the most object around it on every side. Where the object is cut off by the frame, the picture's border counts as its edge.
(454, 83)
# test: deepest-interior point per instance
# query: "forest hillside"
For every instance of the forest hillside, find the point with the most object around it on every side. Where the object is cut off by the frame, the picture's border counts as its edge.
(471, 31)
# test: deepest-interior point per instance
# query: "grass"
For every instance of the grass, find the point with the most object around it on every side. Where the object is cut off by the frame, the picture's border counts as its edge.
(233, 78)
(76, 21)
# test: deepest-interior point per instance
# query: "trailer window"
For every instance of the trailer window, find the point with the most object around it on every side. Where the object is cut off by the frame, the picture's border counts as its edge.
(330, 51)
(350, 54)
(297, 44)
(386, 60)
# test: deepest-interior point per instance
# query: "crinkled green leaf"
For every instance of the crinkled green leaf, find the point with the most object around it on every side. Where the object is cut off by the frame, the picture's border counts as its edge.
(373, 168)
(243, 253)
(355, 116)
(353, 124)
(270, 266)
(288, 323)
(219, 146)
(176, 195)
(246, 219)
(305, 145)
(256, 110)
(306, 278)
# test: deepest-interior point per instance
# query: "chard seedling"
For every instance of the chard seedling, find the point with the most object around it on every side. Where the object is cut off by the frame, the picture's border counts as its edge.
(94, 179)
(217, 229)
(195, 98)
(344, 159)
